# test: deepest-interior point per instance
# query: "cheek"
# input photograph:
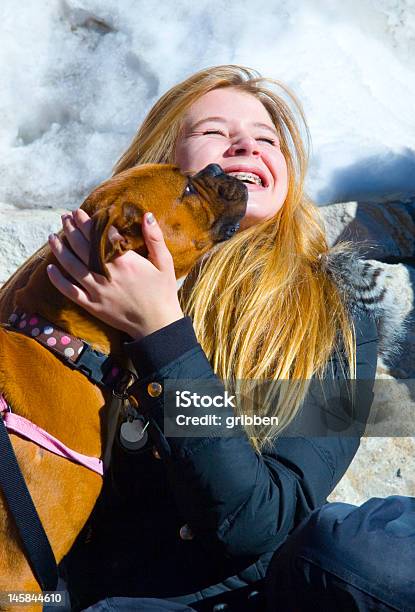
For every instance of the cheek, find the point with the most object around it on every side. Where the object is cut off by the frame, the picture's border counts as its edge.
(181, 155)
(196, 155)
(281, 169)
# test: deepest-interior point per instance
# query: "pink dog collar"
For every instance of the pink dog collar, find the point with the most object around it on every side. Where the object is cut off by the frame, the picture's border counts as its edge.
(19, 425)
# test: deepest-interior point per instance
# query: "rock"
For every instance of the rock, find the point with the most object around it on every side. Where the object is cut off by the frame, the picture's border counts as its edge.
(388, 230)
(22, 232)
(373, 472)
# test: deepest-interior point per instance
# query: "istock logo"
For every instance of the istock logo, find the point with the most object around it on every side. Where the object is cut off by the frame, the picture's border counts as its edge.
(185, 399)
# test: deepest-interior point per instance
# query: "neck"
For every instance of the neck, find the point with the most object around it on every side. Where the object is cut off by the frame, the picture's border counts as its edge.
(41, 297)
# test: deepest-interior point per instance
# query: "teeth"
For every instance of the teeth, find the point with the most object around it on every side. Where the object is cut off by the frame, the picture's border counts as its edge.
(246, 176)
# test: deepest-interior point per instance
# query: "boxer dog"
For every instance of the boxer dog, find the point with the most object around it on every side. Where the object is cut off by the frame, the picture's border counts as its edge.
(194, 213)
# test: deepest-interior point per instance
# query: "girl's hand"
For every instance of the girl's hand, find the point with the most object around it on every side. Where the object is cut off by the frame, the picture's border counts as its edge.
(141, 296)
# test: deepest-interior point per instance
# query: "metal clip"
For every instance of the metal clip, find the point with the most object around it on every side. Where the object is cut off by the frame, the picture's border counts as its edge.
(120, 390)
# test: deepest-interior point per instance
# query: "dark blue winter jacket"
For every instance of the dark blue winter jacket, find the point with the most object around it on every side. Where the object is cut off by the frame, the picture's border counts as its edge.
(240, 505)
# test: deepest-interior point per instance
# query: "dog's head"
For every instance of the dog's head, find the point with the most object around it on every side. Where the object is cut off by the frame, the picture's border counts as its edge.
(194, 212)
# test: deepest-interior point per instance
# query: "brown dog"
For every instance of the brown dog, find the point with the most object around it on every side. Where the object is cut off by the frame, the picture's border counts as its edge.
(194, 214)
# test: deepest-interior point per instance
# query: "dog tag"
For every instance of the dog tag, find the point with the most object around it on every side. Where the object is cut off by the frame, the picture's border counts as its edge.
(133, 435)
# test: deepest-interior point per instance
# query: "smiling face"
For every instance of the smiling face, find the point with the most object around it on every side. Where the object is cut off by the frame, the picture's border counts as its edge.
(233, 129)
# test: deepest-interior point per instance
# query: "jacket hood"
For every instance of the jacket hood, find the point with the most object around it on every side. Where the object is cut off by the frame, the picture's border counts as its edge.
(366, 286)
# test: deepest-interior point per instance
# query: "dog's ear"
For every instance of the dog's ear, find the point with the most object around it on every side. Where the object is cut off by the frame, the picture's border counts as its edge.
(103, 248)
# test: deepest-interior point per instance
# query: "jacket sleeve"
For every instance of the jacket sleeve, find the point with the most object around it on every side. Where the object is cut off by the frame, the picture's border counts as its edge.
(236, 501)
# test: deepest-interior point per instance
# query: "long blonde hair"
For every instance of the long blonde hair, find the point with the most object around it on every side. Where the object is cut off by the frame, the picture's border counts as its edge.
(263, 307)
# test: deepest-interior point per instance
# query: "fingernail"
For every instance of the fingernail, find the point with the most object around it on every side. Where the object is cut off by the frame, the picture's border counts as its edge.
(150, 218)
(53, 237)
(49, 267)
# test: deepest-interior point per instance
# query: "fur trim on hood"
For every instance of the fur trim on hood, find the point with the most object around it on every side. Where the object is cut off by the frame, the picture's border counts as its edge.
(366, 287)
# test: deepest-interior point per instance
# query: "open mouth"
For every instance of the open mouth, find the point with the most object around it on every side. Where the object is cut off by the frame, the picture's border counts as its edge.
(249, 178)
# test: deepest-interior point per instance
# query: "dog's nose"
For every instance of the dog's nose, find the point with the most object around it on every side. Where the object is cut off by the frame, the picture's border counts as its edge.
(210, 170)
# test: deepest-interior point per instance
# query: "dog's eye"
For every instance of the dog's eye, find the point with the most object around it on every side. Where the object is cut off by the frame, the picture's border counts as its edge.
(231, 230)
(190, 190)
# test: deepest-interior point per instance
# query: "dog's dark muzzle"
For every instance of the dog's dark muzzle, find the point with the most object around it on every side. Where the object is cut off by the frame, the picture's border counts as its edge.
(229, 193)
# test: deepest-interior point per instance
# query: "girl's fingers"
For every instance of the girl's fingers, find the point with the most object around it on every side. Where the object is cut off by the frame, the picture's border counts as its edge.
(83, 222)
(71, 263)
(76, 239)
(158, 253)
(76, 294)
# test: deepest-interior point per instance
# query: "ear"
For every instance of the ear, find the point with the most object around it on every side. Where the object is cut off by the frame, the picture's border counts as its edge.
(102, 249)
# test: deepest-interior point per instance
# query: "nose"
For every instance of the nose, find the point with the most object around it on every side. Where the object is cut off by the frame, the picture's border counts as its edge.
(245, 145)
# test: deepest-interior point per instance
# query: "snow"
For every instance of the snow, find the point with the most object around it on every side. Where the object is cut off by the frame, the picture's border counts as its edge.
(78, 77)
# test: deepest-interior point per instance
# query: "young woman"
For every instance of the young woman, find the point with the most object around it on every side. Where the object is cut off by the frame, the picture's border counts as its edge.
(196, 520)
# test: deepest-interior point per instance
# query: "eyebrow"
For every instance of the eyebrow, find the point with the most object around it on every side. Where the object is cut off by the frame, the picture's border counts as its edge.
(222, 120)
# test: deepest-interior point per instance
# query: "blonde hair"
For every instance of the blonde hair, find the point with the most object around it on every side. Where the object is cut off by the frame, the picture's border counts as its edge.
(263, 307)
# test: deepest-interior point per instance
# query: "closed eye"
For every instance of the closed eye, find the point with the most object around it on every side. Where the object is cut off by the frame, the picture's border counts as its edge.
(272, 142)
(214, 132)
